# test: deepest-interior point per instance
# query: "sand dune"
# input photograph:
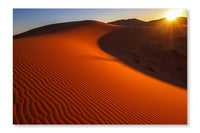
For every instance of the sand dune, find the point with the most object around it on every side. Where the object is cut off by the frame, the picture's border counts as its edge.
(151, 50)
(64, 77)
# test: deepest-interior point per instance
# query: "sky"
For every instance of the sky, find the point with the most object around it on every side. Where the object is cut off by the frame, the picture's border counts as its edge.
(26, 19)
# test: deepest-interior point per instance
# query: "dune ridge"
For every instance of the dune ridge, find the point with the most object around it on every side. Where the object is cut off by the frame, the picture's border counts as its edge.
(64, 77)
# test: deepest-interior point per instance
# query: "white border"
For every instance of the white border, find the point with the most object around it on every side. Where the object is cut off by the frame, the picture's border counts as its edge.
(193, 64)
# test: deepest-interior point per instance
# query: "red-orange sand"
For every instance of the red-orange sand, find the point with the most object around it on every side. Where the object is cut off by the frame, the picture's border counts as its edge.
(65, 78)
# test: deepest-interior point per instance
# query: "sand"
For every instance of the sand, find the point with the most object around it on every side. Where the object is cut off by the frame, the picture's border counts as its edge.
(65, 77)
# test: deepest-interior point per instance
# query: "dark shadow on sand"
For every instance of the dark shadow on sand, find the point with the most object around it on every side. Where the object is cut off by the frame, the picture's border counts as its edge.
(159, 51)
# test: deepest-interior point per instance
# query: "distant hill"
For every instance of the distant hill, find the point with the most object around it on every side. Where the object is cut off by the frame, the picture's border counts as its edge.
(182, 20)
(128, 22)
(137, 22)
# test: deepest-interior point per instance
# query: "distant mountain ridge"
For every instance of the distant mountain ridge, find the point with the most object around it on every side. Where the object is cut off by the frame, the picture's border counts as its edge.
(137, 22)
(67, 25)
(128, 22)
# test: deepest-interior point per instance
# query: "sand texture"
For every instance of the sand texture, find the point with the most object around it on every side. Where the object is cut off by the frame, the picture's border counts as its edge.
(90, 72)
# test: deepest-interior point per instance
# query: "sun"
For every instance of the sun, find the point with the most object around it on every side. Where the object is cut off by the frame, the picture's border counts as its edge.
(173, 14)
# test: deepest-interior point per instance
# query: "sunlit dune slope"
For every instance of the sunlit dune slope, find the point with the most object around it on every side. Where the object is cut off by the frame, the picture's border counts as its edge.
(64, 77)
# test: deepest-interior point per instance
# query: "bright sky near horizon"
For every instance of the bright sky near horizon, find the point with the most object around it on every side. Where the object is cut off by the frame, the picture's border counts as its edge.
(26, 19)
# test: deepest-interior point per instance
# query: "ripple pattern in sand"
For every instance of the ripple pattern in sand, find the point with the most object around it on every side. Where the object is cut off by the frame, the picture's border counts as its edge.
(45, 94)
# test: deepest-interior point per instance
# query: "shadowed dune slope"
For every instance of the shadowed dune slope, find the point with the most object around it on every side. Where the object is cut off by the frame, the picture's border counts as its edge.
(159, 51)
(64, 77)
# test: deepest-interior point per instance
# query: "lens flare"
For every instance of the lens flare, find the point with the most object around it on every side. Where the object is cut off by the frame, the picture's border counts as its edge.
(173, 14)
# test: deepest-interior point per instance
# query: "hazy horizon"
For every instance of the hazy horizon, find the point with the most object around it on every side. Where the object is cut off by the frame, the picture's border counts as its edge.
(26, 19)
